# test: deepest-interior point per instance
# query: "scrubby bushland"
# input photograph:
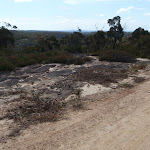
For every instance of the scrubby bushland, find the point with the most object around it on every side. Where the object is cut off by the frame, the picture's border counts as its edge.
(116, 56)
(95, 42)
(5, 64)
(68, 59)
(6, 37)
(13, 59)
(47, 43)
(73, 43)
(49, 49)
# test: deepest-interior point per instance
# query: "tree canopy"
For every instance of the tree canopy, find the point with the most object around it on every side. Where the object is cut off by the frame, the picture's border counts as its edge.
(138, 37)
(6, 37)
(116, 31)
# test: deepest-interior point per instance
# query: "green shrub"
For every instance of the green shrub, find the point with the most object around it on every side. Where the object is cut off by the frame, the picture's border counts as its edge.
(60, 59)
(30, 50)
(78, 61)
(87, 59)
(5, 64)
(9, 61)
(22, 60)
(68, 59)
(116, 56)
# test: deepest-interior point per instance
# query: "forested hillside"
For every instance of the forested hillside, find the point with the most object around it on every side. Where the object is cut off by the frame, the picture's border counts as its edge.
(22, 48)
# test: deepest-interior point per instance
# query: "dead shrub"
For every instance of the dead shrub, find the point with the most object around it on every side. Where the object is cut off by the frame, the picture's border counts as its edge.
(126, 85)
(30, 111)
(139, 79)
(137, 67)
(100, 74)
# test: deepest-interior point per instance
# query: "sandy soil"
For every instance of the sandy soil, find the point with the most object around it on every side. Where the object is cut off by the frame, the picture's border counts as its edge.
(114, 116)
(116, 121)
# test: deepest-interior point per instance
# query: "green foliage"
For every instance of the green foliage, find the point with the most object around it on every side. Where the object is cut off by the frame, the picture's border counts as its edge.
(22, 60)
(68, 59)
(87, 59)
(116, 56)
(5, 64)
(138, 37)
(116, 31)
(145, 42)
(13, 59)
(43, 47)
(47, 43)
(6, 37)
(95, 42)
(139, 32)
(73, 43)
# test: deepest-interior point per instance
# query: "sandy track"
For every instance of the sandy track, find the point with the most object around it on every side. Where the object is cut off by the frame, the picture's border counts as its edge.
(118, 121)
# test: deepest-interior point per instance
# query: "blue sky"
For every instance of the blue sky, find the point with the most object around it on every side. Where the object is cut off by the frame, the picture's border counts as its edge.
(70, 14)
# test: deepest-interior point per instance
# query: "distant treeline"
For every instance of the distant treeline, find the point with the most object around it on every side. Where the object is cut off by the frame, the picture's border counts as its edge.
(21, 48)
(30, 38)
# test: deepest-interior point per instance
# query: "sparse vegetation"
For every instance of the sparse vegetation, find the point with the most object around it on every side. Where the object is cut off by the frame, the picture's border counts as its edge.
(64, 49)
(101, 74)
(116, 56)
(137, 67)
(27, 111)
(77, 102)
(126, 85)
(139, 79)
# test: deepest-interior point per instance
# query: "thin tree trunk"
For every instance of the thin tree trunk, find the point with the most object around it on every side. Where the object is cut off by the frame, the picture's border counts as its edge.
(114, 44)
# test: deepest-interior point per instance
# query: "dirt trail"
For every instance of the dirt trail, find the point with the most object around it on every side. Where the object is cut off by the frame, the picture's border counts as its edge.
(118, 121)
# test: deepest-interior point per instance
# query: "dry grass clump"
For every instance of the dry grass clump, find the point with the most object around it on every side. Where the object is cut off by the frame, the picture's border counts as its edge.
(136, 67)
(139, 79)
(77, 102)
(100, 74)
(126, 85)
(30, 111)
(34, 110)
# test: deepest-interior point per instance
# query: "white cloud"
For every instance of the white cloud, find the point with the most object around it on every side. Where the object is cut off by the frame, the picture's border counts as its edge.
(19, 1)
(71, 2)
(101, 15)
(147, 14)
(62, 20)
(125, 9)
(75, 2)
(129, 20)
(139, 8)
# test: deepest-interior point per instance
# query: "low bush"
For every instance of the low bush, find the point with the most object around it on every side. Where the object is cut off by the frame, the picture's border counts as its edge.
(87, 59)
(5, 64)
(28, 111)
(136, 67)
(22, 60)
(68, 59)
(116, 56)
(60, 59)
(10, 61)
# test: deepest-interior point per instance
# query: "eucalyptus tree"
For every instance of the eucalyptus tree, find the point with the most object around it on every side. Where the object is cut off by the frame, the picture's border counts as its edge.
(116, 31)
(138, 36)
